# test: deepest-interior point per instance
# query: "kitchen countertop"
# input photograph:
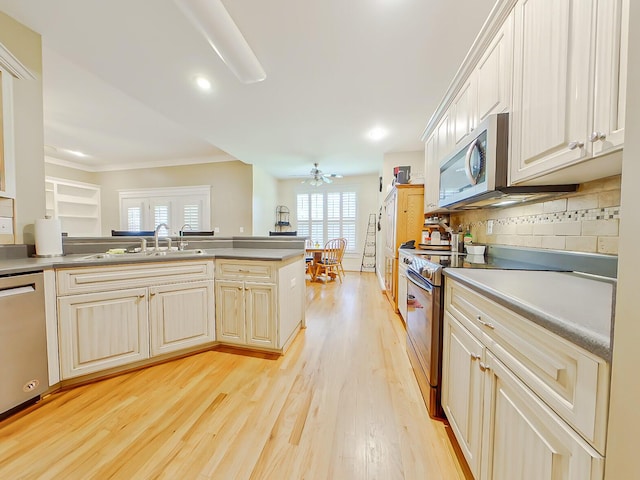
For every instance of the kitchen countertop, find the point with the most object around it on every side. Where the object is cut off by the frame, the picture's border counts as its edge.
(576, 307)
(21, 265)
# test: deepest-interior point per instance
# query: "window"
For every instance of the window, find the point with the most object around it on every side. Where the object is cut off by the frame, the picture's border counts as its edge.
(176, 206)
(326, 215)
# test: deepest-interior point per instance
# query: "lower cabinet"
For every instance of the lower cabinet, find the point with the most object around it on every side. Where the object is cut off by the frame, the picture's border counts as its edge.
(402, 290)
(497, 409)
(181, 316)
(102, 330)
(246, 313)
(115, 325)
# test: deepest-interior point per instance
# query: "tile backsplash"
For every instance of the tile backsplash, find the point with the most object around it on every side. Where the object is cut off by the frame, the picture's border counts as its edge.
(584, 221)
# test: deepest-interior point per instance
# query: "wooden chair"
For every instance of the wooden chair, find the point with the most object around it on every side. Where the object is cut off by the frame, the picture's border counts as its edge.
(329, 263)
(308, 257)
(344, 247)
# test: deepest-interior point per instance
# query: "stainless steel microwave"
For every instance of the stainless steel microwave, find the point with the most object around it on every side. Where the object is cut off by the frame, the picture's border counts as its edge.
(476, 174)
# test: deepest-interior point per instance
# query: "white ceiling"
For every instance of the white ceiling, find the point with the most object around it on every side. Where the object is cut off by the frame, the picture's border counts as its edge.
(118, 80)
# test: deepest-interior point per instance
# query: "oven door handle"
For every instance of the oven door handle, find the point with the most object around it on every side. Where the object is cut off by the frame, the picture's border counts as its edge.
(419, 282)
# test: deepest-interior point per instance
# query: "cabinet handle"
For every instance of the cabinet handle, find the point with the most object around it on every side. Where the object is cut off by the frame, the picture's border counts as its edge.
(574, 145)
(486, 324)
(595, 136)
(152, 294)
(484, 367)
(475, 356)
(141, 295)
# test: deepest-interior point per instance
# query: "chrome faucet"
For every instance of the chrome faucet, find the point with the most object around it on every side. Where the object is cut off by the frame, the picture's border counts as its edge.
(155, 235)
(182, 243)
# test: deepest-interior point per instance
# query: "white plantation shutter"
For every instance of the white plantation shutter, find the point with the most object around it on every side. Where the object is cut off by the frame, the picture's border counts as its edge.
(327, 215)
(176, 206)
(134, 218)
(191, 216)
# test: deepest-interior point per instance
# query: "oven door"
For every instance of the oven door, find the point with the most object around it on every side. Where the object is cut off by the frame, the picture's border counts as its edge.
(424, 326)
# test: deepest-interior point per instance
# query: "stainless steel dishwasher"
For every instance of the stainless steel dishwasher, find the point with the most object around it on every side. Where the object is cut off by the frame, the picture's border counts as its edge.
(23, 341)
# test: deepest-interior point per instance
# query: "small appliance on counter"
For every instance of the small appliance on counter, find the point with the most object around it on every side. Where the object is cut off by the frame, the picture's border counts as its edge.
(401, 175)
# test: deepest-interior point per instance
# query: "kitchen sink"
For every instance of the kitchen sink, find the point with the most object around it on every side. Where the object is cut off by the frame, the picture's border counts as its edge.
(149, 253)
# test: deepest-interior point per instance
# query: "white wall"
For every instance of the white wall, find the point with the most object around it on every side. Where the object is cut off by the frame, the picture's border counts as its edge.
(623, 460)
(265, 200)
(367, 190)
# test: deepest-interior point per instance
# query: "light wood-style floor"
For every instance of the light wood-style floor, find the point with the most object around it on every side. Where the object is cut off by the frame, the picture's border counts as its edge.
(341, 404)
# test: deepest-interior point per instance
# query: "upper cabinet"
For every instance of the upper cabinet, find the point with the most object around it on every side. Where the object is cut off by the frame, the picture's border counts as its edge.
(611, 40)
(493, 73)
(559, 70)
(549, 115)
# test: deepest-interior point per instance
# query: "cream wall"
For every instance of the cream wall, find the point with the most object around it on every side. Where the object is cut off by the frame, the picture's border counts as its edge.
(623, 460)
(265, 200)
(231, 191)
(367, 189)
(26, 46)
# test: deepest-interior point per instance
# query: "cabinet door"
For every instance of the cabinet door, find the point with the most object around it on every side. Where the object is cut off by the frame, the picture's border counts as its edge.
(494, 72)
(464, 111)
(230, 312)
(102, 330)
(611, 75)
(182, 316)
(390, 207)
(431, 175)
(444, 137)
(410, 216)
(525, 439)
(260, 311)
(462, 388)
(549, 120)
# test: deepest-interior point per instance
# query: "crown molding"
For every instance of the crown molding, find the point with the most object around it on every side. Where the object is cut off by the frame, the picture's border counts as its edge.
(11, 64)
(492, 25)
(140, 165)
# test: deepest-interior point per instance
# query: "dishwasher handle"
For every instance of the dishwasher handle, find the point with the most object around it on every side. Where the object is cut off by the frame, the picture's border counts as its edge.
(8, 292)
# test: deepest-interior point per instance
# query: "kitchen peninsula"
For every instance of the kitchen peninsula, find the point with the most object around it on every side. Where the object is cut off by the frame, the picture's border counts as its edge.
(107, 313)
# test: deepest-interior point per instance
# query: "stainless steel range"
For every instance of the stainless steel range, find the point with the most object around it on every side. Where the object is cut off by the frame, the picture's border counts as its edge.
(425, 300)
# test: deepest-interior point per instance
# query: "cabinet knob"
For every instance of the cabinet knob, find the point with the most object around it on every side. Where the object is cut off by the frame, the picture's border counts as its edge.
(475, 356)
(151, 294)
(595, 136)
(141, 295)
(574, 145)
(484, 367)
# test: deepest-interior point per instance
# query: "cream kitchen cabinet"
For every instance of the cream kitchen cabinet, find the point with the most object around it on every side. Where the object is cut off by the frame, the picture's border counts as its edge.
(102, 330)
(464, 113)
(110, 316)
(181, 316)
(493, 74)
(569, 89)
(246, 313)
(522, 402)
(431, 175)
(259, 304)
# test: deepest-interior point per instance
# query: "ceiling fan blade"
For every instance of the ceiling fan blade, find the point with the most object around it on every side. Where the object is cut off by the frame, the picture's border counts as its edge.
(326, 179)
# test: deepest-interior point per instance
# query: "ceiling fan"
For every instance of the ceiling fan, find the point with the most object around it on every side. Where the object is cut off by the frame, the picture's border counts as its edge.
(318, 178)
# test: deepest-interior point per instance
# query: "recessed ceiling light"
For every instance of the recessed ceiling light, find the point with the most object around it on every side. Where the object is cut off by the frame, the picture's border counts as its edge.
(203, 83)
(377, 133)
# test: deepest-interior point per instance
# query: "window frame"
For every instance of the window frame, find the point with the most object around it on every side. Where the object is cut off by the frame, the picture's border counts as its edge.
(325, 190)
(176, 198)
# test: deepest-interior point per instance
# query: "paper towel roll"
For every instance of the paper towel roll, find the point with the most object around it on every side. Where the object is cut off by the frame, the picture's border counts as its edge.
(48, 237)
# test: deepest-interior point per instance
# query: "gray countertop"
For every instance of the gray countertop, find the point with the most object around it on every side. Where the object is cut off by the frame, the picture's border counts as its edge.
(21, 265)
(576, 307)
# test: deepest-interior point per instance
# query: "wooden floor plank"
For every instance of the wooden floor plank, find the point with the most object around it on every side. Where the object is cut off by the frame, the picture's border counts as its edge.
(341, 404)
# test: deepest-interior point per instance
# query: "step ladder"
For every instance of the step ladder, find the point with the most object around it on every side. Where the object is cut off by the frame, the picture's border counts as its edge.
(369, 252)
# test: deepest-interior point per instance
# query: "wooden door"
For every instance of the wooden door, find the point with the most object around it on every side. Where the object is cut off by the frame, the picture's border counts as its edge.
(182, 316)
(102, 330)
(462, 388)
(230, 327)
(260, 311)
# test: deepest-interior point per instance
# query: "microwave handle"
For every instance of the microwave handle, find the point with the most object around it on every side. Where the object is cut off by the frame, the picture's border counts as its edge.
(467, 162)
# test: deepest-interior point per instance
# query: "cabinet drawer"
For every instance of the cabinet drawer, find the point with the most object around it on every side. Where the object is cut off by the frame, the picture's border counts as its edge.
(570, 380)
(115, 277)
(246, 270)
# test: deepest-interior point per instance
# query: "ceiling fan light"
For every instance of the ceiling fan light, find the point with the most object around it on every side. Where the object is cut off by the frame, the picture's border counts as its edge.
(214, 22)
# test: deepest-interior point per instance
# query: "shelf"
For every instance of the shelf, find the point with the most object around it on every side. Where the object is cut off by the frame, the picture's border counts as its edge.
(76, 200)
